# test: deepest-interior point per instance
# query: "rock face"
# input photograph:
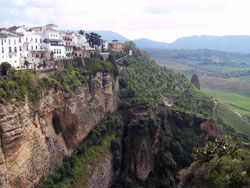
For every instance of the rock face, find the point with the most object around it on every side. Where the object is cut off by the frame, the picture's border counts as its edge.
(102, 176)
(211, 129)
(34, 142)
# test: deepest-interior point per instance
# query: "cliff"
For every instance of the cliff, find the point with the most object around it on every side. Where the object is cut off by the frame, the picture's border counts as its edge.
(34, 141)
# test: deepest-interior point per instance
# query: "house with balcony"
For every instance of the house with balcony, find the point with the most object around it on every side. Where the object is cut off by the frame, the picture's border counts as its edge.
(53, 41)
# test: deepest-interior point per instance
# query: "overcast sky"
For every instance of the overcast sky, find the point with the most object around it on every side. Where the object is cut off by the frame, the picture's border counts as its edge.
(161, 20)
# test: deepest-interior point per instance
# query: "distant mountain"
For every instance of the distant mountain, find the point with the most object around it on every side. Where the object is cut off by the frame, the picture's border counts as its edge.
(239, 43)
(110, 35)
(147, 43)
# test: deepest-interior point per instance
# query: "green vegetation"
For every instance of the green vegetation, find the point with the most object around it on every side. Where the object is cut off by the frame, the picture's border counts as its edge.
(18, 85)
(233, 120)
(233, 100)
(145, 81)
(21, 83)
(218, 164)
(76, 170)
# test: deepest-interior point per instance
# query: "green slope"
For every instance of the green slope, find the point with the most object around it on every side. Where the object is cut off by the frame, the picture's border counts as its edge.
(233, 120)
(235, 101)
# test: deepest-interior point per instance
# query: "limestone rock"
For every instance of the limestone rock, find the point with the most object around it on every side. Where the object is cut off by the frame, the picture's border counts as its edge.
(34, 142)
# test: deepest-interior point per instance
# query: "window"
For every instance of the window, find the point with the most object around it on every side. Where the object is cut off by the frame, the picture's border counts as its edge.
(9, 49)
(10, 56)
(40, 40)
(54, 51)
(36, 47)
(20, 48)
(15, 42)
(15, 50)
(26, 39)
(2, 42)
(9, 42)
(59, 51)
(27, 48)
(31, 47)
(35, 40)
(31, 39)
(20, 40)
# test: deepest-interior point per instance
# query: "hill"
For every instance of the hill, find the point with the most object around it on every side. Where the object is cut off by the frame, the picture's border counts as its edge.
(110, 35)
(238, 43)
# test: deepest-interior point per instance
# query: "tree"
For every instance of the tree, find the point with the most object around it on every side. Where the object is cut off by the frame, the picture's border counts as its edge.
(5, 68)
(81, 32)
(93, 39)
(129, 45)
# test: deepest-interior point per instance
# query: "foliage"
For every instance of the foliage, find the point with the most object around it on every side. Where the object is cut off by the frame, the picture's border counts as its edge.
(5, 68)
(93, 39)
(23, 83)
(218, 164)
(76, 170)
(148, 82)
(129, 45)
(18, 85)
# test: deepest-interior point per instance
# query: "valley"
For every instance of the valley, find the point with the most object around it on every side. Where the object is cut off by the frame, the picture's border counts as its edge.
(224, 75)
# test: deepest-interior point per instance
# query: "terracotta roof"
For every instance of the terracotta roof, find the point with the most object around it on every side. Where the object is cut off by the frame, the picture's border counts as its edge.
(3, 35)
(51, 25)
(14, 28)
(52, 40)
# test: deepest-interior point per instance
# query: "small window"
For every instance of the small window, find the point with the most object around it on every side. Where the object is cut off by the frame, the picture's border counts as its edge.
(26, 39)
(2, 50)
(40, 40)
(9, 42)
(36, 47)
(9, 49)
(15, 50)
(31, 39)
(14, 42)
(59, 51)
(31, 47)
(20, 48)
(27, 48)
(20, 40)
(35, 40)
(10, 56)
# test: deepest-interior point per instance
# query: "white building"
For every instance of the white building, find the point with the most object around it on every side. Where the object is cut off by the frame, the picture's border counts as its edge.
(11, 48)
(17, 45)
(68, 42)
(53, 41)
(80, 41)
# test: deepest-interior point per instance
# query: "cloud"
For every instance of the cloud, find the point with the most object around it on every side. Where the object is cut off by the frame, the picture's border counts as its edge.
(163, 20)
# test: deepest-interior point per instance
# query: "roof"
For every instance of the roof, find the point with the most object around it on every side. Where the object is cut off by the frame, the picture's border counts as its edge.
(14, 28)
(3, 35)
(49, 29)
(51, 25)
(52, 40)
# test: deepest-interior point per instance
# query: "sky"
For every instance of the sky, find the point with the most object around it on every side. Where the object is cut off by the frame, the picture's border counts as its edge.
(160, 20)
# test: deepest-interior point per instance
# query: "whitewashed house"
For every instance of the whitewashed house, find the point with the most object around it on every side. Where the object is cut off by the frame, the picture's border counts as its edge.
(80, 41)
(53, 41)
(11, 48)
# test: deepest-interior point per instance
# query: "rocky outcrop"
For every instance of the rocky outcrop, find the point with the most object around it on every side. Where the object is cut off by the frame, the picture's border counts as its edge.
(34, 142)
(195, 81)
(211, 129)
(102, 176)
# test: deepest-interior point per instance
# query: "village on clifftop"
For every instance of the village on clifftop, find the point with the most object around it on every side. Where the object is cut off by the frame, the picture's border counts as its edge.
(28, 47)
